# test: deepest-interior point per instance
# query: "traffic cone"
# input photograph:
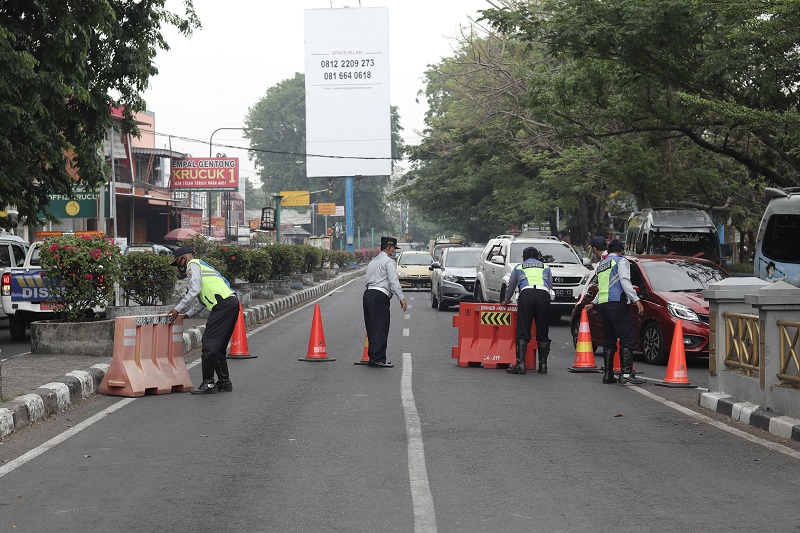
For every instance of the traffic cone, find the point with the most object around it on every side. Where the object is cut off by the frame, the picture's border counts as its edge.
(365, 357)
(584, 351)
(239, 348)
(316, 341)
(677, 375)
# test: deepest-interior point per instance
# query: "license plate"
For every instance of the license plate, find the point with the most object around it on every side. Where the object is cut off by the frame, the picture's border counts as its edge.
(563, 292)
(47, 306)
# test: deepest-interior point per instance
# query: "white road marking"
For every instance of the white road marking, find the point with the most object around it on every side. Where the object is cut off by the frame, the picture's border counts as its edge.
(407, 316)
(406, 332)
(421, 497)
(710, 421)
(77, 428)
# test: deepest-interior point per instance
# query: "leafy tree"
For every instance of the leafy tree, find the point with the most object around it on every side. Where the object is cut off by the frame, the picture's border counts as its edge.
(277, 133)
(63, 65)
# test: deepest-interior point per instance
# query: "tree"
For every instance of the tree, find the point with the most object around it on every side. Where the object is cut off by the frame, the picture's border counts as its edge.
(63, 65)
(277, 132)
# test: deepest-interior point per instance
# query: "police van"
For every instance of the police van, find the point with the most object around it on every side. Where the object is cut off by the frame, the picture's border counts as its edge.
(777, 254)
(670, 231)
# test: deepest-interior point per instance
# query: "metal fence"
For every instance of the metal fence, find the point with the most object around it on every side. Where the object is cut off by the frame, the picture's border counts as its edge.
(789, 336)
(741, 342)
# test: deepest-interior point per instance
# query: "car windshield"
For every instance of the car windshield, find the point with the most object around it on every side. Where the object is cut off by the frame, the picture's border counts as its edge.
(554, 252)
(423, 259)
(705, 245)
(682, 276)
(463, 258)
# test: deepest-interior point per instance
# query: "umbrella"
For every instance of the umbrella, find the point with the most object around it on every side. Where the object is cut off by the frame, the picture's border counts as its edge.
(180, 234)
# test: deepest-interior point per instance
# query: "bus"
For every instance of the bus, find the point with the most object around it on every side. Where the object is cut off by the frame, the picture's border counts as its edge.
(670, 231)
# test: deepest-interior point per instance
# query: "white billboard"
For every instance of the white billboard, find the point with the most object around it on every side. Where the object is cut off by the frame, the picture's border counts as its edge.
(348, 118)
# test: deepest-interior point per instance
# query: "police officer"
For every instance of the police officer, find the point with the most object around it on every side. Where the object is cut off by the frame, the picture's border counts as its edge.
(381, 284)
(209, 289)
(599, 247)
(533, 304)
(615, 291)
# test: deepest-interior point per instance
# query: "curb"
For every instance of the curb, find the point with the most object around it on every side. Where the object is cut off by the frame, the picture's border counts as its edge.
(751, 414)
(61, 395)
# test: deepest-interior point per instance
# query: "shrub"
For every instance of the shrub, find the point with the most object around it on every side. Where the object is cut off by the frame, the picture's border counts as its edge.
(365, 255)
(287, 259)
(342, 257)
(312, 258)
(147, 278)
(200, 245)
(260, 266)
(236, 259)
(80, 272)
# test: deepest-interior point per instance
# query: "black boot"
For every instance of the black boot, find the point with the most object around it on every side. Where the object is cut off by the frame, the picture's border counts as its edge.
(608, 366)
(626, 362)
(519, 368)
(223, 379)
(206, 387)
(544, 351)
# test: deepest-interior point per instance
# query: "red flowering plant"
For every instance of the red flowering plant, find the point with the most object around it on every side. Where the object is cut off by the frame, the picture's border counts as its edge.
(80, 272)
(237, 260)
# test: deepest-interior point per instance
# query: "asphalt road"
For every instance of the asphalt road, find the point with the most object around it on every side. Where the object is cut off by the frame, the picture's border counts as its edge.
(425, 446)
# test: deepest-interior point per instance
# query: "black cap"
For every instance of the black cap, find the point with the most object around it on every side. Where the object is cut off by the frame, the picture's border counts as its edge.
(615, 246)
(388, 241)
(599, 242)
(530, 252)
(179, 251)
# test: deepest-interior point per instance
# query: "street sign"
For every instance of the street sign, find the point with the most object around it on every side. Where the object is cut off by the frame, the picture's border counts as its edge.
(294, 198)
(330, 231)
(326, 208)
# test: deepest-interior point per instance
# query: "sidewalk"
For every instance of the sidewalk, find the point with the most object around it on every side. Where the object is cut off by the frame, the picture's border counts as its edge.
(43, 385)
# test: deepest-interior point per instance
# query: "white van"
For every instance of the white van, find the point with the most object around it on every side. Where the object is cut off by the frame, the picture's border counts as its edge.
(777, 255)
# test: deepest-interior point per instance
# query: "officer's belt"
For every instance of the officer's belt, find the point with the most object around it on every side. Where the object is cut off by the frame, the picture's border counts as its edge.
(376, 288)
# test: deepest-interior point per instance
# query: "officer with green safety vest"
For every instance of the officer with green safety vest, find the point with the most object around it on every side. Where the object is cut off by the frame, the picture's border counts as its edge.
(615, 291)
(535, 281)
(207, 288)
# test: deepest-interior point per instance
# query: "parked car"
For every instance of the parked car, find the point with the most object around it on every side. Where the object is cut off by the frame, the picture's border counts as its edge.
(453, 276)
(670, 288)
(412, 269)
(146, 247)
(503, 253)
(12, 254)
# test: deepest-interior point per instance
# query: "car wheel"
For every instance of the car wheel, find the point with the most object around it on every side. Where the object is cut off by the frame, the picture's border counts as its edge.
(478, 293)
(16, 326)
(434, 302)
(653, 348)
(573, 328)
(443, 306)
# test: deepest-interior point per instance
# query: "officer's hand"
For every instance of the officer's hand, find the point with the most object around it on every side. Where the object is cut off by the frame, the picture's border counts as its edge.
(507, 302)
(639, 307)
(588, 307)
(173, 315)
(403, 304)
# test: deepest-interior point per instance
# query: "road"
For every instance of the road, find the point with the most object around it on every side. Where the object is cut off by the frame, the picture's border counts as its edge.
(425, 446)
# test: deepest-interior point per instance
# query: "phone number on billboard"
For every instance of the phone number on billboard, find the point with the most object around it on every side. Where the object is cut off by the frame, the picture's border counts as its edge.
(347, 75)
(347, 63)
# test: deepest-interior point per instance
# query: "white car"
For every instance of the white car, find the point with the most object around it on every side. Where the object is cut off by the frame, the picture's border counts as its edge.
(453, 276)
(502, 254)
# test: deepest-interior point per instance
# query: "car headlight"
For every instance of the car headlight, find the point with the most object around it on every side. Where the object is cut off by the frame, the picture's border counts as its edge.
(585, 279)
(449, 277)
(402, 274)
(682, 311)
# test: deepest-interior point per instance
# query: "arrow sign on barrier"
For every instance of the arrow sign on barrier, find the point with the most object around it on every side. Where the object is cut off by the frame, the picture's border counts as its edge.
(496, 319)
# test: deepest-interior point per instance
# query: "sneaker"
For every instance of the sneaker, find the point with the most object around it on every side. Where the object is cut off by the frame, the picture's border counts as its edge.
(224, 386)
(631, 378)
(206, 387)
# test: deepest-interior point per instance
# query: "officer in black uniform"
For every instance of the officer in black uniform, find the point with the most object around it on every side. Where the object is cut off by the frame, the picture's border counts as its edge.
(534, 280)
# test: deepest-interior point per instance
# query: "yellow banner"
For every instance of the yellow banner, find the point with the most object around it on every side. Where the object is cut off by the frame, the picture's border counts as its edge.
(294, 198)
(326, 208)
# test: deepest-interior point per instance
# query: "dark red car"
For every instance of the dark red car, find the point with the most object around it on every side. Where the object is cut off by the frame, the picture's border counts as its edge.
(670, 288)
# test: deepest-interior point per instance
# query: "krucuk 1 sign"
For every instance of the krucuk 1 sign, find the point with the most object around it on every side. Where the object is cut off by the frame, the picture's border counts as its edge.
(348, 118)
(205, 174)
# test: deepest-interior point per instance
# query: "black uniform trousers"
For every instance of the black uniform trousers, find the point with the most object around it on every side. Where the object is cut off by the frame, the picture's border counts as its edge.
(533, 305)
(376, 320)
(219, 330)
(617, 324)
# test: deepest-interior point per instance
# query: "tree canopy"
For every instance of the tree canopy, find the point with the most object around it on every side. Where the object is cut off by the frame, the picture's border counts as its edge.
(63, 66)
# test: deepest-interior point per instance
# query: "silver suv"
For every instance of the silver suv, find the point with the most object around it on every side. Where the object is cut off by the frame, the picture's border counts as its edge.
(502, 254)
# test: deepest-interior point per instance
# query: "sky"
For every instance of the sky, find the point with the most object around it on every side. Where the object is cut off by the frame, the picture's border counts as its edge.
(211, 79)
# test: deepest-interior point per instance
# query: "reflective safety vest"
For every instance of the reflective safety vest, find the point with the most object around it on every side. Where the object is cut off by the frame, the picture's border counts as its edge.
(533, 272)
(608, 281)
(211, 285)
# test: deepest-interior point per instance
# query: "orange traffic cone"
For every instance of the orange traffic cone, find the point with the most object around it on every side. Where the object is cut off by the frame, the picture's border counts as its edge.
(677, 375)
(584, 351)
(239, 348)
(365, 357)
(316, 341)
